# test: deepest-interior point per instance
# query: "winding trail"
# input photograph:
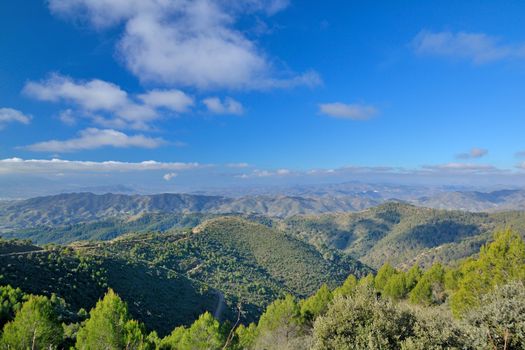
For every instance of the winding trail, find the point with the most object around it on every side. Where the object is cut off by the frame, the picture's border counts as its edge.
(221, 303)
(38, 251)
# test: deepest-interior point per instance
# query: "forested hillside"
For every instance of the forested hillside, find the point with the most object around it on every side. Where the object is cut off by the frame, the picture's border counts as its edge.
(397, 233)
(227, 258)
(403, 234)
(82, 278)
(208, 280)
(108, 229)
(478, 304)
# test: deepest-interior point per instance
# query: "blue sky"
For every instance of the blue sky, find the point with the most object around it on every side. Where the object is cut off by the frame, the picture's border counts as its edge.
(187, 94)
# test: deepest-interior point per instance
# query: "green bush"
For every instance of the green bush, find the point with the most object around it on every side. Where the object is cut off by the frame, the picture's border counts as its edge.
(362, 321)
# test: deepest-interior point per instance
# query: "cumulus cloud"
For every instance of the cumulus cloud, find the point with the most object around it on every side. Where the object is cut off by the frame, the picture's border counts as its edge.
(190, 43)
(35, 166)
(473, 153)
(93, 138)
(91, 95)
(174, 100)
(348, 111)
(96, 97)
(169, 176)
(227, 106)
(479, 48)
(10, 115)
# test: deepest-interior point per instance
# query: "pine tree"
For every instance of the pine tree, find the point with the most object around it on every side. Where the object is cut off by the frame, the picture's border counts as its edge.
(35, 326)
(396, 286)
(348, 287)
(11, 301)
(279, 325)
(109, 327)
(204, 334)
(412, 277)
(317, 304)
(245, 336)
(430, 287)
(499, 262)
(173, 340)
(383, 275)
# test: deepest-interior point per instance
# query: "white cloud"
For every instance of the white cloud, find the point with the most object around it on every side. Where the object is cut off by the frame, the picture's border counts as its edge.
(67, 117)
(270, 7)
(310, 79)
(197, 50)
(106, 104)
(10, 115)
(91, 95)
(187, 42)
(473, 153)
(227, 106)
(347, 111)
(94, 96)
(283, 172)
(267, 173)
(462, 167)
(169, 176)
(35, 166)
(238, 165)
(174, 100)
(354, 171)
(477, 47)
(93, 138)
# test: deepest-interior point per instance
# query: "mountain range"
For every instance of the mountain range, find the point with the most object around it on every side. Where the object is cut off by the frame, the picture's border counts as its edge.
(72, 208)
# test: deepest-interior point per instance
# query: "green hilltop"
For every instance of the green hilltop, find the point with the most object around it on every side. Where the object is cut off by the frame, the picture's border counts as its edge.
(243, 261)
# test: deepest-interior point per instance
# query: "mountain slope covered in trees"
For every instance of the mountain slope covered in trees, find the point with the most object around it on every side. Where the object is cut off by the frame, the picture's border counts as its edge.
(82, 278)
(228, 258)
(478, 304)
(107, 229)
(403, 234)
(398, 233)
